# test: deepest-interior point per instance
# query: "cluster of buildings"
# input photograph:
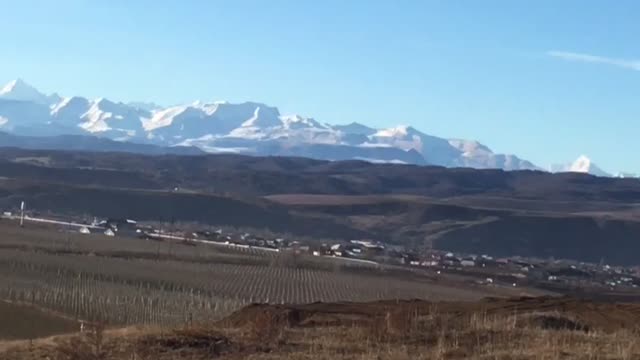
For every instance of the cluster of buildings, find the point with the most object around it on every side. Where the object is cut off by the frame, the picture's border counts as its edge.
(518, 270)
(356, 249)
(489, 270)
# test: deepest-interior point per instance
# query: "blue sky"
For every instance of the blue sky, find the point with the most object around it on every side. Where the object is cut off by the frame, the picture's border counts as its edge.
(547, 80)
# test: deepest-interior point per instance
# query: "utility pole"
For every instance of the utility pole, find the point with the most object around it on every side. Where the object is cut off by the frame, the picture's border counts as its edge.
(22, 214)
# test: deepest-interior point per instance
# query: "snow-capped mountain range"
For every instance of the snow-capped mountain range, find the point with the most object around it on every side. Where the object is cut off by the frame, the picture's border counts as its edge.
(248, 128)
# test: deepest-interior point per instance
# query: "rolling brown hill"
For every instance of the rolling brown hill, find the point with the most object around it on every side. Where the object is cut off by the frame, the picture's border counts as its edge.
(524, 213)
(281, 175)
(516, 328)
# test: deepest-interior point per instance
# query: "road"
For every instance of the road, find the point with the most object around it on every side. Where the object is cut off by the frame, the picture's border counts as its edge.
(49, 221)
(164, 236)
(215, 243)
(174, 237)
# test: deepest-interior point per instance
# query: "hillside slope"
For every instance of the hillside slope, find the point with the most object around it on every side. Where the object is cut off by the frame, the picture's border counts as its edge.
(526, 213)
(541, 328)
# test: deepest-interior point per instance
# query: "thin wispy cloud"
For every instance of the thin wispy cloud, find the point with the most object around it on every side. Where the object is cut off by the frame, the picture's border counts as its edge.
(594, 59)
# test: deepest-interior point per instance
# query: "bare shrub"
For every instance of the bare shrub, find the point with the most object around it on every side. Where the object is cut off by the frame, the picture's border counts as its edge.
(184, 343)
(393, 324)
(269, 327)
(90, 345)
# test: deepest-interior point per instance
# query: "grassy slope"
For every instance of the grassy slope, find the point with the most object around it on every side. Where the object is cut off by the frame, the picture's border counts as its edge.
(391, 331)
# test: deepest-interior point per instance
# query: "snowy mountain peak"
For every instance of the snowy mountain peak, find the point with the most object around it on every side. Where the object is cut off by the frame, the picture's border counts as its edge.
(300, 122)
(73, 104)
(13, 86)
(260, 121)
(294, 118)
(356, 129)
(582, 164)
(401, 131)
(19, 90)
(165, 117)
(469, 146)
(625, 175)
(147, 106)
(60, 105)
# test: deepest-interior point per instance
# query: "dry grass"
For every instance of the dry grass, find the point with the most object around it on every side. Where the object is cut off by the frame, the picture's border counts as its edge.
(90, 346)
(433, 336)
(398, 333)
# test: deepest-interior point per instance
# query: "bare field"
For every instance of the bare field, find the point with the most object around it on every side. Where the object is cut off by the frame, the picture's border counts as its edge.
(21, 321)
